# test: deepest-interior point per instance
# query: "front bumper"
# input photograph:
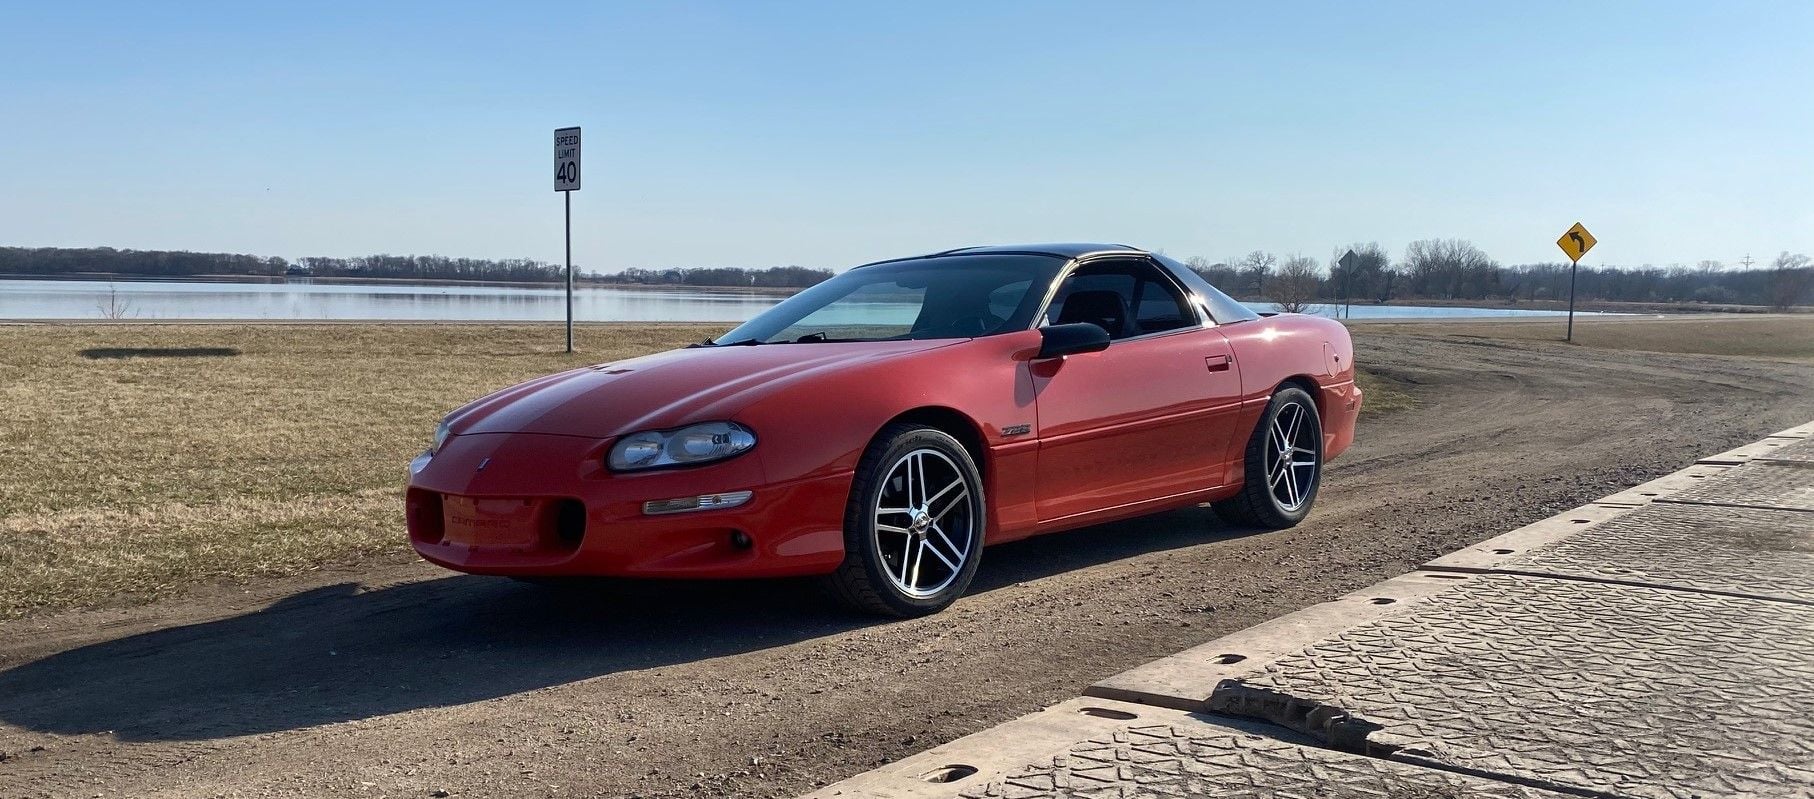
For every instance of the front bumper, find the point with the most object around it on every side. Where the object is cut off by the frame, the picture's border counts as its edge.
(549, 507)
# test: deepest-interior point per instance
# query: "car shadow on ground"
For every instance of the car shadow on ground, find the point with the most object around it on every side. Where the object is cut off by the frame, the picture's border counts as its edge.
(340, 653)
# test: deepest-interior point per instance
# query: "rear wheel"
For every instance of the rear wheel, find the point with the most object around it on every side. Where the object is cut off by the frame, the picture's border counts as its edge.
(913, 528)
(1284, 464)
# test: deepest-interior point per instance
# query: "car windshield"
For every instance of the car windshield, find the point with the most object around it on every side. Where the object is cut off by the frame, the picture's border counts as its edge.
(953, 296)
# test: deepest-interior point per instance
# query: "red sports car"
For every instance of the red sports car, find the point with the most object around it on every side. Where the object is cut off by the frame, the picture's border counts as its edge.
(881, 427)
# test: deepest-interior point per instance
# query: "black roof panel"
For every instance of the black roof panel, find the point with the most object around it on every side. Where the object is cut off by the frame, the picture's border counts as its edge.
(1065, 249)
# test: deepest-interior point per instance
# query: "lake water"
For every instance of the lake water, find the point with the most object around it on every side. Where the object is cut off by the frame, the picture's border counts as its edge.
(304, 299)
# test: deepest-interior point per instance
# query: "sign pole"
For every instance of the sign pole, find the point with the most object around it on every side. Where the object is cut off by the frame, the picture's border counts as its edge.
(569, 203)
(1346, 262)
(566, 181)
(1570, 336)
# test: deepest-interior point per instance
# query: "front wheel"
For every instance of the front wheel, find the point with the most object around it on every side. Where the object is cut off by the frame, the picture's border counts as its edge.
(1283, 465)
(913, 528)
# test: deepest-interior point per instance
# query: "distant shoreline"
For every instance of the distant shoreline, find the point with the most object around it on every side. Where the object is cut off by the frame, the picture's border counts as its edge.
(119, 277)
(1593, 306)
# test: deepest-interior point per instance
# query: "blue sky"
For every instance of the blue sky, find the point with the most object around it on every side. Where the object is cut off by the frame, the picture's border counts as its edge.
(828, 134)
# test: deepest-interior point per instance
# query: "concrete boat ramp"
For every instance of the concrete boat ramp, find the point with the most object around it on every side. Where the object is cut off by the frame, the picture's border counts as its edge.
(1656, 643)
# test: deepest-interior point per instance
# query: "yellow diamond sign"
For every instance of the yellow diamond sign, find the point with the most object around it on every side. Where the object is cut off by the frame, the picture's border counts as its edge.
(1576, 242)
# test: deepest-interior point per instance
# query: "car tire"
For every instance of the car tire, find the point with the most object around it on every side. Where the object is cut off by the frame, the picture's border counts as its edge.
(1272, 498)
(913, 527)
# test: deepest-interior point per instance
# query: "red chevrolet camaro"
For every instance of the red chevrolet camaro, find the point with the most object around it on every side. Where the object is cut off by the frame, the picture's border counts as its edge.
(881, 427)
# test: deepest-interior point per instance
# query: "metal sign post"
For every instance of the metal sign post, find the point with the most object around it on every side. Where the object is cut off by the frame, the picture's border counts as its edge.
(566, 181)
(1575, 243)
(1347, 263)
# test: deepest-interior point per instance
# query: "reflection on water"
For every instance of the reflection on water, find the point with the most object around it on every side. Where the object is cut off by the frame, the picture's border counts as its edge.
(304, 299)
(83, 299)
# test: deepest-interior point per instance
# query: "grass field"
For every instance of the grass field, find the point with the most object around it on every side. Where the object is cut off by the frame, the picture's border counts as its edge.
(1380, 396)
(133, 477)
(1753, 335)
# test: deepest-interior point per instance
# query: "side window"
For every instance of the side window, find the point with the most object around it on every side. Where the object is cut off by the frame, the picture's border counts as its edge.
(1160, 307)
(1093, 304)
(1126, 298)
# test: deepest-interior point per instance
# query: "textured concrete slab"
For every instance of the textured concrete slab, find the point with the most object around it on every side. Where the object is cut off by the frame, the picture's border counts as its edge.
(1754, 485)
(1750, 452)
(1184, 681)
(1494, 553)
(1752, 552)
(1792, 450)
(1798, 431)
(1064, 751)
(1646, 493)
(1586, 687)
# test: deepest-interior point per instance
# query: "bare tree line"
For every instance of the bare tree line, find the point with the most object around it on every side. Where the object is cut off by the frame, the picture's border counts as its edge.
(167, 263)
(771, 277)
(1457, 270)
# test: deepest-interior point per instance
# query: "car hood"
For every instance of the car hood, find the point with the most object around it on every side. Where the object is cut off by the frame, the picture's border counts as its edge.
(667, 389)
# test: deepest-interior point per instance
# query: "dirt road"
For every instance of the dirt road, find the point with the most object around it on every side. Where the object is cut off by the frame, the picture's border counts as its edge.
(399, 680)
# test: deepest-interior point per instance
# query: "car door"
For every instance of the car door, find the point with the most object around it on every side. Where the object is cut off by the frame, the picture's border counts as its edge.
(1144, 420)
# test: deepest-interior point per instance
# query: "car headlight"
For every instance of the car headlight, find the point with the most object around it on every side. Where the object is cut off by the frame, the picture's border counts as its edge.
(693, 444)
(442, 431)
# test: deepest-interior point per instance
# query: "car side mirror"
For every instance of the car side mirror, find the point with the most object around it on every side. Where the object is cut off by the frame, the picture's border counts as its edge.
(1056, 341)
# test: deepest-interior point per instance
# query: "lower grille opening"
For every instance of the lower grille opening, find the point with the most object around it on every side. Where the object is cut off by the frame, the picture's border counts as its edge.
(570, 522)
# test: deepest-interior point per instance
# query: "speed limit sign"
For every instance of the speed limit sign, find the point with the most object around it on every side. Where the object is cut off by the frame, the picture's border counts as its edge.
(566, 180)
(566, 159)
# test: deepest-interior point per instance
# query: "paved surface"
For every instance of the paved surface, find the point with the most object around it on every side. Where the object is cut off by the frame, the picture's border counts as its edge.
(1188, 757)
(1790, 451)
(1197, 759)
(1657, 643)
(1761, 484)
(1646, 493)
(1615, 689)
(1150, 752)
(1756, 552)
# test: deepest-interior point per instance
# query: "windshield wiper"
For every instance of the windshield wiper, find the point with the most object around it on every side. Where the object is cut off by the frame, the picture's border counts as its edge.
(751, 342)
(748, 342)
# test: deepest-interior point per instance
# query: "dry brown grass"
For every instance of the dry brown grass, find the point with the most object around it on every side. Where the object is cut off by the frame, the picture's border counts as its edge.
(1379, 395)
(131, 478)
(1787, 336)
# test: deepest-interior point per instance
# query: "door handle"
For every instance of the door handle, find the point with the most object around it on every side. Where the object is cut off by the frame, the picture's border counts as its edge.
(1217, 363)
